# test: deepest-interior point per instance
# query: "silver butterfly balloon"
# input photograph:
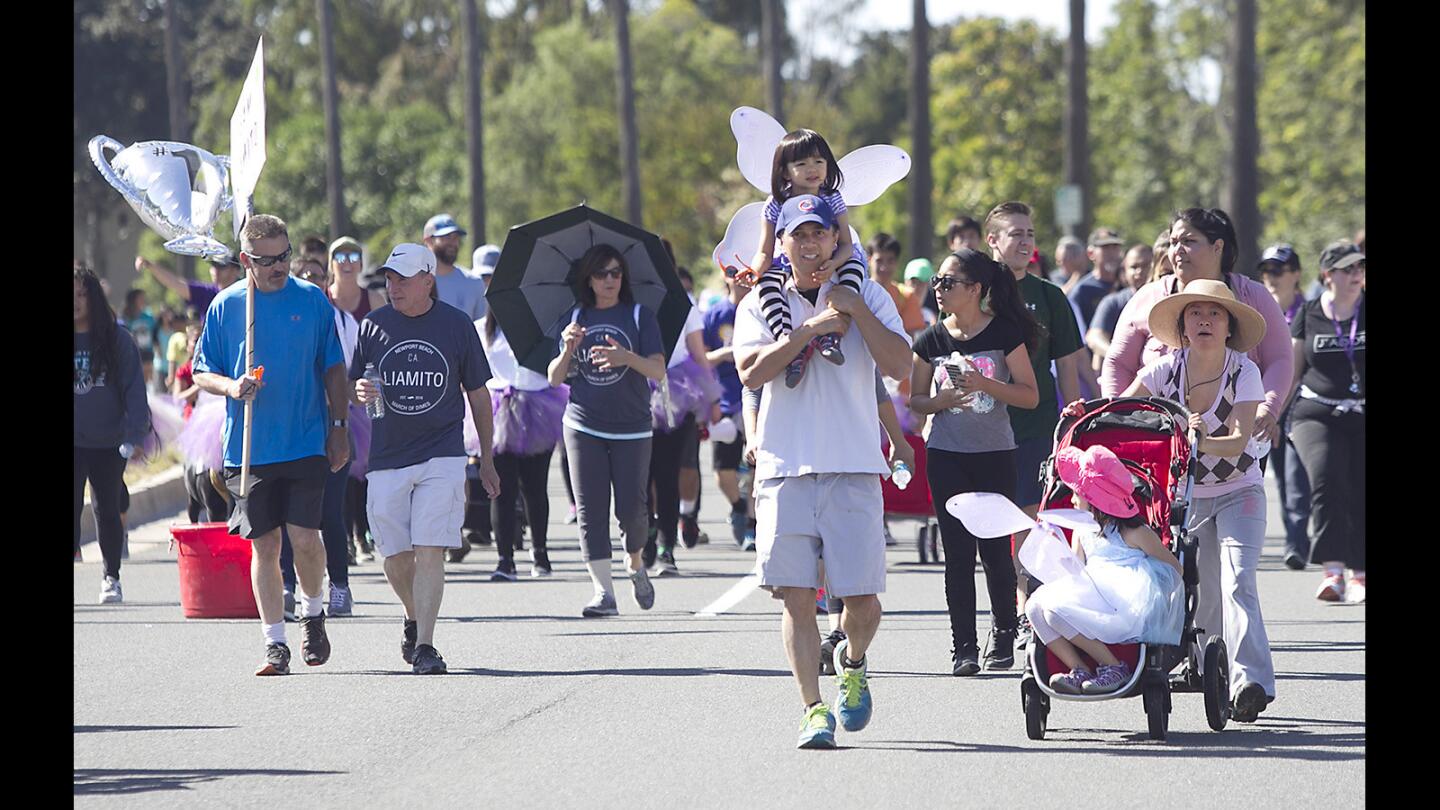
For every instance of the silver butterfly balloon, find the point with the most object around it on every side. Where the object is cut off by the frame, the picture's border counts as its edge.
(177, 189)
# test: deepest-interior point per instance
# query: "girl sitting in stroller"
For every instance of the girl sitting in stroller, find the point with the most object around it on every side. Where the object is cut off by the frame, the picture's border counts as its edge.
(1127, 593)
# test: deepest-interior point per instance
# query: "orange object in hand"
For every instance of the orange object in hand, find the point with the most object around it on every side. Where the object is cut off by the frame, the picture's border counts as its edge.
(258, 373)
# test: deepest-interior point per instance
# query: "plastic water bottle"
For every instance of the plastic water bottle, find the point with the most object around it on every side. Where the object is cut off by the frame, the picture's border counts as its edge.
(900, 474)
(376, 408)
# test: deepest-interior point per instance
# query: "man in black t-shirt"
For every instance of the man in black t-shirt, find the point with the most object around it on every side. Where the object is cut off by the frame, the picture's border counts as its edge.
(428, 355)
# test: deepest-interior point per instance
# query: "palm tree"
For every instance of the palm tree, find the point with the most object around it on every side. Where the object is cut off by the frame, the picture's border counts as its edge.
(175, 91)
(334, 174)
(474, 136)
(770, 42)
(1077, 117)
(922, 235)
(625, 79)
(1241, 198)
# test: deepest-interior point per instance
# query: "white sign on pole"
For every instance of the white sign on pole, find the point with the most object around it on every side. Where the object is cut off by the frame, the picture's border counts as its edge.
(247, 139)
(1068, 209)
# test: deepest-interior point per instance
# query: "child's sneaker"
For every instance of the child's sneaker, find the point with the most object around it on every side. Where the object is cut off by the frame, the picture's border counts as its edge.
(1332, 589)
(795, 371)
(817, 730)
(1108, 679)
(829, 345)
(1068, 683)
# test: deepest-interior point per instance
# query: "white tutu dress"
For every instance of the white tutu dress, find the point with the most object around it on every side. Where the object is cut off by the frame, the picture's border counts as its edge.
(1123, 596)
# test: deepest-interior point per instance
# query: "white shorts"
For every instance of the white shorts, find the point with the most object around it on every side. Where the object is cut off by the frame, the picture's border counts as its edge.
(419, 505)
(838, 516)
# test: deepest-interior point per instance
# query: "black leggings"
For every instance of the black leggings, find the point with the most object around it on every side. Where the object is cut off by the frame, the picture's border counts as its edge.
(477, 501)
(952, 473)
(104, 468)
(665, 452)
(1333, 451)
(521, 476)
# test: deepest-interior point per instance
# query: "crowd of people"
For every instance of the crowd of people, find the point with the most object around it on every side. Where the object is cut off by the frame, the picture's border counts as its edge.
(403, 426)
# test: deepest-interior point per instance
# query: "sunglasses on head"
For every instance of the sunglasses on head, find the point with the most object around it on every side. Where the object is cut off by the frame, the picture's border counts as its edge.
(347, 256)
(266, 261)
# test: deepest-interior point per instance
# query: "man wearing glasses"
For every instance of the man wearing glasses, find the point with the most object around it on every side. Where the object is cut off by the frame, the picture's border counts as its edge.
(299, 432)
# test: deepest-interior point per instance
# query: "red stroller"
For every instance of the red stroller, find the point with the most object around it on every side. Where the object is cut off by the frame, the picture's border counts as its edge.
(1150, 435)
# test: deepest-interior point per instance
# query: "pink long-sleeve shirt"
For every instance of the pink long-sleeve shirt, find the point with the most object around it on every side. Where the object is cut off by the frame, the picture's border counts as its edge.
(1133, 347)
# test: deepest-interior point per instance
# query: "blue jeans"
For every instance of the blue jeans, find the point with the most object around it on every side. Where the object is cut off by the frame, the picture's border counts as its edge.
(1294, 487)
(333, 532)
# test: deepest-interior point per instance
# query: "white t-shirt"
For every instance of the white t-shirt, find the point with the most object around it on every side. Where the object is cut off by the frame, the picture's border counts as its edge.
(828, 423)
(349, 332)
(504, 370)
(1240, 382)
(694, 322)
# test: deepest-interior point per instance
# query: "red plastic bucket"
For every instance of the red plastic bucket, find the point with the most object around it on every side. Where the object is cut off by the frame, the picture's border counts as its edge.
(214, 572)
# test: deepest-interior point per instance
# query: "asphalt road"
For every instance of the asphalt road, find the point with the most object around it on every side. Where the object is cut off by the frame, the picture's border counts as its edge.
(661, 708)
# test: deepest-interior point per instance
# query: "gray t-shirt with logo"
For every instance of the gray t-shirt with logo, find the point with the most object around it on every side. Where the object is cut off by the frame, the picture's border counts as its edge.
(967, 431)
(612, 403)
(426, 365)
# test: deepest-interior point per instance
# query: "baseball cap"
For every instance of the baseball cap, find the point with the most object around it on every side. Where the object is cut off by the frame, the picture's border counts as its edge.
(228, 258)
(804, 208)
(442, 225)
(484, 259)
(1340, 254)
(1282, 253)
(410, 259)
(345, 242)
(1104, 236)
(920, 269)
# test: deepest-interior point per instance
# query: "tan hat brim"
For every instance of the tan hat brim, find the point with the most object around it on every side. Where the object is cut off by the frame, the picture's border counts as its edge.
(1347, 260)
(1165, 320)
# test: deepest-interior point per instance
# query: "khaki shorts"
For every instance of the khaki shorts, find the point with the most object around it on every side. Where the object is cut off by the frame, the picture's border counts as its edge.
(837, 516)
(419, 505)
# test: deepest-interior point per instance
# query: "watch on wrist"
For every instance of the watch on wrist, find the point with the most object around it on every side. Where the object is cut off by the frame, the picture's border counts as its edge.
(339, 423)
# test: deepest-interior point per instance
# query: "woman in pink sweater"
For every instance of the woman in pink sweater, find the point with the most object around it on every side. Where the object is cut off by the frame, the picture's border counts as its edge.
(1207, 252)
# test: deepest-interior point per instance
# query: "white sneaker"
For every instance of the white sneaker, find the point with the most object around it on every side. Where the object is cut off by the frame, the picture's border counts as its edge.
(1332, 589)
(1355, 590)
(110, 591)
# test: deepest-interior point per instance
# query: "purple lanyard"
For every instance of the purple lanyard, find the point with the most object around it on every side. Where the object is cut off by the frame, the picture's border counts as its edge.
(1350, 348)
(1294, 308)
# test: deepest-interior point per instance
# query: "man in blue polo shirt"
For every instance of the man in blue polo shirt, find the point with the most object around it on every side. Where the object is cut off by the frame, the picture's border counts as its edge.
(295, 443)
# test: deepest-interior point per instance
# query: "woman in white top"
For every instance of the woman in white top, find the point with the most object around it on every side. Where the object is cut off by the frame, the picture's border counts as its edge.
(527, 412)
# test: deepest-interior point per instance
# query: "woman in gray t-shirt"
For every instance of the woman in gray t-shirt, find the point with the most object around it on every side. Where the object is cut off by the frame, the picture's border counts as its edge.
(606, 351)
(970, 447)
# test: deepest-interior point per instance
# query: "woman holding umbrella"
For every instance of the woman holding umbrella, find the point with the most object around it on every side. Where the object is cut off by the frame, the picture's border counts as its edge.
(607, 423)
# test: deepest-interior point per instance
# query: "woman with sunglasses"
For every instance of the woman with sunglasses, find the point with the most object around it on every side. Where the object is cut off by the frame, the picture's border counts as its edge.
(347, 259)
(1328, 427)
(971, 448)
(607, 423)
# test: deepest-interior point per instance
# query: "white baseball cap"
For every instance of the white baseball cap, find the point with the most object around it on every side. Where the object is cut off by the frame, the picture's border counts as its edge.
(410, 259)
(485, 258)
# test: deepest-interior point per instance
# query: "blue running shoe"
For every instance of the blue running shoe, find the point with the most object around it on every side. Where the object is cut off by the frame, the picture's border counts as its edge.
(853, 704)
(817, 730)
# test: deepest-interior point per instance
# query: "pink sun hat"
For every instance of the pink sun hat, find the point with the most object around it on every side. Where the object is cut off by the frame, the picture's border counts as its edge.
(1100, 478)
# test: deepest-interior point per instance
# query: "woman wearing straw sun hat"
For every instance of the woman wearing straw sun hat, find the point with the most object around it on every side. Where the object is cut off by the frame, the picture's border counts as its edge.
(1209, 332)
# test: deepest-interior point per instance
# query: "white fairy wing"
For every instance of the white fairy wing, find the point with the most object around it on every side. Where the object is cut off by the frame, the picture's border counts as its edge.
(870, 170)
(1071, 519)
(1047, 556)
(756, 135)
(988, 514)
(741, 237)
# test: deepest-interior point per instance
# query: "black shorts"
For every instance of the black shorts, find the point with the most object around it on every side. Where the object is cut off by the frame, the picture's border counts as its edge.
(1029, 454)
(727, 455)
(288, 492)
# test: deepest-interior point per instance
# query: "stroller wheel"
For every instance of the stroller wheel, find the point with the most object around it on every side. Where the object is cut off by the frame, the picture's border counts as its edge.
(1037, 708)
(1216, 679)
(1157, 709)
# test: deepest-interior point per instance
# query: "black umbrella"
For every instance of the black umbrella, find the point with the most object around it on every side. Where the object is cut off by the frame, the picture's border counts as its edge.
(531, 292)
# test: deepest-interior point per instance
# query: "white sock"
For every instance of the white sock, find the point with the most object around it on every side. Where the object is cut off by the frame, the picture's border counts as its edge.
(687, 507)
(1334, 569)
(311, 605)
(1357, 573)
(601, 576)
(274, 633)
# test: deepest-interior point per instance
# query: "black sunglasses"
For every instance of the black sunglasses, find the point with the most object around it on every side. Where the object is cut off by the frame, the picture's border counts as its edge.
(608, 272)
(266, 261)
(945, 284)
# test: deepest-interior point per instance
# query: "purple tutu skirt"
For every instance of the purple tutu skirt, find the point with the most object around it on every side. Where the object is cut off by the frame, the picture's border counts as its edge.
(360, 430)
(526, 422)
(692, 390)
(167, 419)
(199, 441)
